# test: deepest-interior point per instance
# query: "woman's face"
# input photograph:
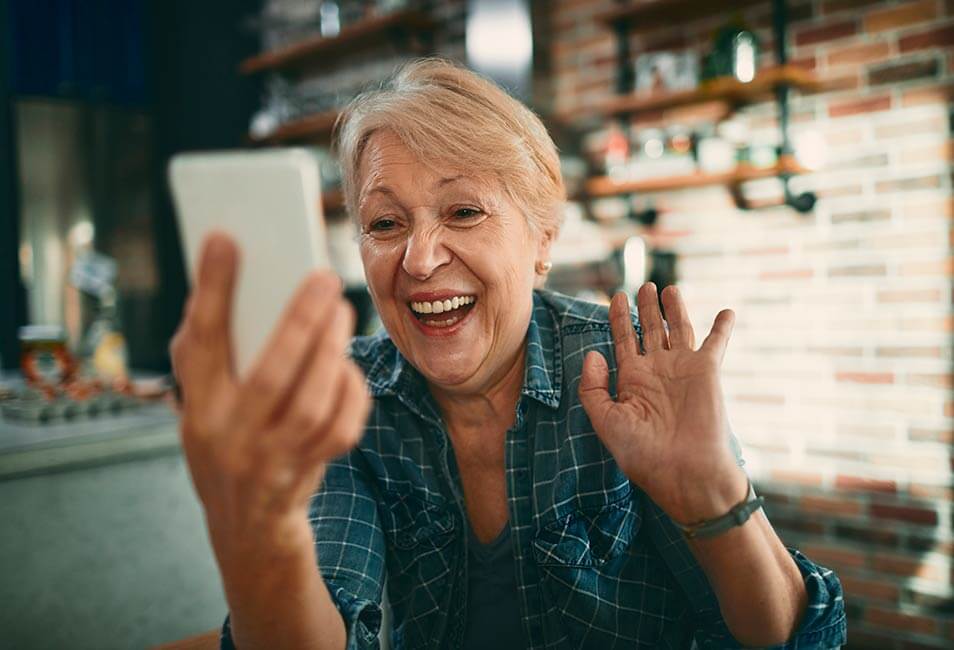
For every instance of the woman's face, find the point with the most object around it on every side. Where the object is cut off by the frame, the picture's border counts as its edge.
(450, 265)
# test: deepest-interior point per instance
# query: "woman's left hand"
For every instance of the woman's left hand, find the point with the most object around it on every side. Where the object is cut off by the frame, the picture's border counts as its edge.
(667, 428)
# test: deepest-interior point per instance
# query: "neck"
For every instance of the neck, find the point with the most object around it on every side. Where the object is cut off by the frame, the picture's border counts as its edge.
(493, 406)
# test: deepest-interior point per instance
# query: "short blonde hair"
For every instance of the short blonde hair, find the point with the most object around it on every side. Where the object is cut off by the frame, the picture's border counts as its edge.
(448, 115)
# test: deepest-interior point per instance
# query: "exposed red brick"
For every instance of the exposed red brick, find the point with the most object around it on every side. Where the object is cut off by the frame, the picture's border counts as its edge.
(936, 380)
(922, 153)
(894, 17)
(907, 567)
(766, 250)
(926, 352)
(806, 63)
(862, 484)
(796, 477)
(897, 242)
(943, 268)
(865, 377)
(923, 491)
(928, 324)
(900, 72)
(868, 160)
(909, 514)
(760, 399)
(841, 137)
(838, 191)
(869, 588)
(819, 34)
(873, 431)
(939, 94)
(835, 350)
(898, 621)
(917, 645)
(908, 184)
(834, 6)
(866, 640)
(926, 434)
(929, 208)
(798, 524)
(937, 37)
(858, 106)
(831, 505)
(834, 557)
(786, 274)
(906, 129)
(859, 54)
(858, 270)
(849, 533)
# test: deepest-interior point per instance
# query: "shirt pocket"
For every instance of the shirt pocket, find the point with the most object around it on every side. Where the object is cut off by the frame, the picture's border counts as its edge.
(589, 537)
(602, 583)
(419, 553)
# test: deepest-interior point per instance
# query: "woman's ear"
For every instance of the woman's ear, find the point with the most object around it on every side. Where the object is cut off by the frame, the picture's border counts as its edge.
(543, 264)
(543, 245)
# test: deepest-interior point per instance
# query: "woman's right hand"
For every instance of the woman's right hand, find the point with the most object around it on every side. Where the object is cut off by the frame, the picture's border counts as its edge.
(257, 445)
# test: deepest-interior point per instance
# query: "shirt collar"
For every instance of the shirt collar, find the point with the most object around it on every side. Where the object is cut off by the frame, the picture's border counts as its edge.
(390, 374)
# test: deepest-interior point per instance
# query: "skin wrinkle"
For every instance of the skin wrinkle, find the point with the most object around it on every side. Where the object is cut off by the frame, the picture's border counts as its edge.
(476, 373)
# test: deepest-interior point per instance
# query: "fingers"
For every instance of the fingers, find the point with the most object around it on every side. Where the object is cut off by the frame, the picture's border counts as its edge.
(624, 335)
(718, 338)
(654, 331)
(594, 388)
(348, 420)
(210, 312)
(315, 397)
(303, 325)
(681, 335)
(202, 348)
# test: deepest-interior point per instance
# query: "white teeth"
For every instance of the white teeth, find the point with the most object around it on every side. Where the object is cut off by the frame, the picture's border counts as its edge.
(441, 306)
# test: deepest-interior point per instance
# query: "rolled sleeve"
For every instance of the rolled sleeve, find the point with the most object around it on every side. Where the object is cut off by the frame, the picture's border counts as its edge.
(823, 624)
(349, 545)
(362, 619)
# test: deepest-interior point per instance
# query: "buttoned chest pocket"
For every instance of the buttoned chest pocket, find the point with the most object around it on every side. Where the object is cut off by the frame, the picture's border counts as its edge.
(602, 580)
(419, 533)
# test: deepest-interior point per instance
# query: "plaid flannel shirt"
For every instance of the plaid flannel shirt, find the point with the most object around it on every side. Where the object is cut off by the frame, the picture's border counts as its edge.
(599, 565)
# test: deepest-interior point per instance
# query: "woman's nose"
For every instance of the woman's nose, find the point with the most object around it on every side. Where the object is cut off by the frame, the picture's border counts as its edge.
(425, 253)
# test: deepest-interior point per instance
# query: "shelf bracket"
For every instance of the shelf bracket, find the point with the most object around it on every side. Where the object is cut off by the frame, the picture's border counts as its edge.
(804, 202)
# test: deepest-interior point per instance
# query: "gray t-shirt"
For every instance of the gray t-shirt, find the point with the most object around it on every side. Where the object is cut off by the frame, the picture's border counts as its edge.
(493, 612)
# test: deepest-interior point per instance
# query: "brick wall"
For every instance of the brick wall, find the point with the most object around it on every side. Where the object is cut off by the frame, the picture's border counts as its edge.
(838, 376)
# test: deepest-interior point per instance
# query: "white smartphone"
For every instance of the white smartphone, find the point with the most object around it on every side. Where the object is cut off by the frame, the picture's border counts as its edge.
(270, 202)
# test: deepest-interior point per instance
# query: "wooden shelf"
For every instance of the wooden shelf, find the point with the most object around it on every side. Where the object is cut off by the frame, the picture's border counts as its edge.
(601, 186)
(646, 15)
(350, 37)
(315, 127)
(725, 89)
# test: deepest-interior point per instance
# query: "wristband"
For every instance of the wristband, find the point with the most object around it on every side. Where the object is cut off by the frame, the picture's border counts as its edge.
(737, 516)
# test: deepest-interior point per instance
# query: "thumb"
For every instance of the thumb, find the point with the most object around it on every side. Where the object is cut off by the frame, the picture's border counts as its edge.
(594, 388)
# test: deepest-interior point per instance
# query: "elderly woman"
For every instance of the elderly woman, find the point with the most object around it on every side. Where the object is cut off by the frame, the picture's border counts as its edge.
(521, 468)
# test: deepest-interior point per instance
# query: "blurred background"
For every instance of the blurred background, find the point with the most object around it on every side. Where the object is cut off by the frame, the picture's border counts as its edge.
(789, 159)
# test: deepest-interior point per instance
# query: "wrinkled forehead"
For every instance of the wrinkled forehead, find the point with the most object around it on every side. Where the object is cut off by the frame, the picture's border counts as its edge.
(386, 160)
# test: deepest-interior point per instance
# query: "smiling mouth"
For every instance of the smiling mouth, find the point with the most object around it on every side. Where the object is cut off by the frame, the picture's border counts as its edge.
(443, 313)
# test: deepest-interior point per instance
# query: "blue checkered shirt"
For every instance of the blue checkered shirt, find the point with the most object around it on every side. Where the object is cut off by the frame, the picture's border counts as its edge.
(599, 565)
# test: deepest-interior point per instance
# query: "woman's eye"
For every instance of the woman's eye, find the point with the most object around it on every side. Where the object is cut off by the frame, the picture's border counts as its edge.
(383, 225)
(466, 213)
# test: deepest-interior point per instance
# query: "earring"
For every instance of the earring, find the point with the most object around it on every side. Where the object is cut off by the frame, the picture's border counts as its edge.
(544, 267)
